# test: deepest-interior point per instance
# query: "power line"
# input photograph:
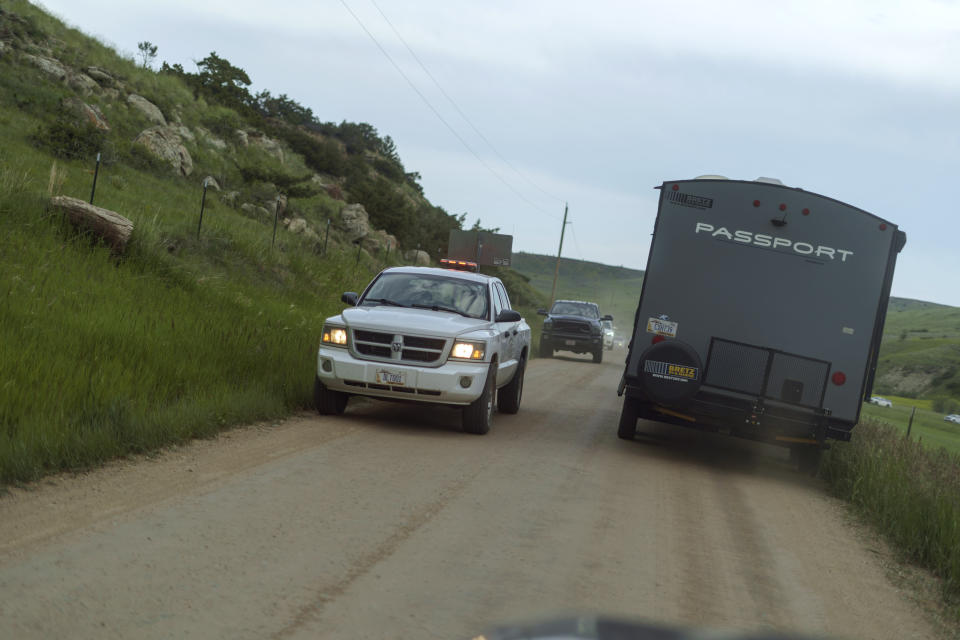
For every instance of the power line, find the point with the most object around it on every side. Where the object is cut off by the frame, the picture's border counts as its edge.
(573, 231)
(459, 110)
(440, 117)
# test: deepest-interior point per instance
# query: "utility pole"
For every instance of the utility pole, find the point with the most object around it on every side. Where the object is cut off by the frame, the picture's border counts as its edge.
(556, 270)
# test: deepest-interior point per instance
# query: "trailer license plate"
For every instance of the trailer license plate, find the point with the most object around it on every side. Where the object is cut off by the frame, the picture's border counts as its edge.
(662, 327)
(570, 342)
(396, 378)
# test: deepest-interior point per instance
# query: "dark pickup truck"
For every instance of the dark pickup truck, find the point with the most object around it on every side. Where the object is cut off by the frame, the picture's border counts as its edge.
(572, 325)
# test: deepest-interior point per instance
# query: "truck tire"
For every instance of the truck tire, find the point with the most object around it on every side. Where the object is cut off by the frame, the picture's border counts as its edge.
(807, 458)
(327, 402)
(508, 397)
(546, 351)
(628, 419)
(478, 415)
(598, 355)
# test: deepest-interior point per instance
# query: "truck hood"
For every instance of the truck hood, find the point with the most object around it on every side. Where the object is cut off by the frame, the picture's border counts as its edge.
(442, 324)
(590, 321)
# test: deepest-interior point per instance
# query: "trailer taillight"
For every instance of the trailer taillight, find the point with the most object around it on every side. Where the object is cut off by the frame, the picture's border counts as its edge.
(657, 338)
(675, 187)
(783, 207)
(883, 226)
(839, 378)
(806, 212)
(756, 203)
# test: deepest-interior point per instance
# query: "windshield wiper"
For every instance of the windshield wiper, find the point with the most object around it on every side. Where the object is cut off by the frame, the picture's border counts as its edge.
(387, 301)
(437, 307)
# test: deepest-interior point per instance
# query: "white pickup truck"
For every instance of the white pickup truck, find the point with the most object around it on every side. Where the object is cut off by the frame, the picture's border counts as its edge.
(429, 335)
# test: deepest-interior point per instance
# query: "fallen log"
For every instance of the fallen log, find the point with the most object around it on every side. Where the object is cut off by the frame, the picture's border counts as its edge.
(109, 225)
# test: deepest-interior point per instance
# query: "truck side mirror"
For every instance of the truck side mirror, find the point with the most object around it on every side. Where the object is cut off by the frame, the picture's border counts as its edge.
(541, 312)
(350, 298)
(508, 315)
(607, 317)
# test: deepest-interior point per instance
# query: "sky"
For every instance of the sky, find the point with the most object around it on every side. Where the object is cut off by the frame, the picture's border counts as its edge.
(512, 110)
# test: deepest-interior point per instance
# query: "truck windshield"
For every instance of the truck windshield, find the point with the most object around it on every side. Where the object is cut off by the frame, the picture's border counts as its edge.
(456, 295)
(575, 309)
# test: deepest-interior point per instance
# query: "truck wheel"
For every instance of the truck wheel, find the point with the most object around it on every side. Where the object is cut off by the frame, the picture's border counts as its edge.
(598, 355)
(628, 419)
(545, 351)
(478, 415)
(328, 403)
(508, 398)
(808, 459)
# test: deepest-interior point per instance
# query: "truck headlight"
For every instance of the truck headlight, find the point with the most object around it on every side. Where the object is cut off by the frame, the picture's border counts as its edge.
(464, 350)
(334, 336)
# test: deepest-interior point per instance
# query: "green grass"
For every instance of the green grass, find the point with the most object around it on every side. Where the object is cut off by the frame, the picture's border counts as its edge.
(910, 493)
(928, 427)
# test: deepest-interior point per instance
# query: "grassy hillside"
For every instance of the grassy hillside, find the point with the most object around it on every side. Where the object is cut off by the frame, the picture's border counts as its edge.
(615, 289)
(102, 354)
(920, 353)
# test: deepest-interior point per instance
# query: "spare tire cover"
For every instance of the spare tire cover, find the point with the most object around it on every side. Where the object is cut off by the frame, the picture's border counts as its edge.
(670, 372)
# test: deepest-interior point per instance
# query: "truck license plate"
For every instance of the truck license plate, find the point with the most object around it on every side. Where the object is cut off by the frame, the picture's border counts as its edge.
(570, 342)
(396, 378)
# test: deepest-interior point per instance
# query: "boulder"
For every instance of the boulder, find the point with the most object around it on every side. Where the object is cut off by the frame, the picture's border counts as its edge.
(254, 211)
(417, 258)
(164, 143)
(100, 76)
(297, 225)
(87, 113)
(111, 94)
(82, 83)
(356, 222)
(230, 198)
(242, 139)
(48, 65)
(378, 241)
(147, 108)
(3, 47)
(211, 183)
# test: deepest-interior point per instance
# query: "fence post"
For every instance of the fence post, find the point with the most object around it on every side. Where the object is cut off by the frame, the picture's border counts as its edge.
(203, 202)
(96, 172)
(910, 424)
(276, 218)
(359, 247)
(326, 238)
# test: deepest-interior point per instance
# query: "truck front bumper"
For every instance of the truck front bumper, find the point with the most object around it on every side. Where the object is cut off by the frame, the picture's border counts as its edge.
(453, 383)
(577, 344)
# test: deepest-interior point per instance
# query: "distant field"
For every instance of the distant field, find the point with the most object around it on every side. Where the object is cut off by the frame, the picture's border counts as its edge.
(928, 426)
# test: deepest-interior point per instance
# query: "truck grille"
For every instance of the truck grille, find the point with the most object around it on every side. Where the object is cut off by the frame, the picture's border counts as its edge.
(571, 326)
(376, 345)
(766, 373)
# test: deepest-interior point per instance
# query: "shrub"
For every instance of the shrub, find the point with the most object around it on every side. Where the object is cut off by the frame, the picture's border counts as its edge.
(66, 138)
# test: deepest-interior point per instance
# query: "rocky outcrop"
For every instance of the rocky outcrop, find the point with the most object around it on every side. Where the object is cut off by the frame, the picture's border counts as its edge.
(378, 241)
(254, 211)
(100, 76)
(82, 83)
(211, 140)
(164, 143)
(87, 113)
(48, 65)
(242, 138)
(269, 145)
(183, 131)
(355, 222)
(417, 258)
(297, 225)
(147, 108)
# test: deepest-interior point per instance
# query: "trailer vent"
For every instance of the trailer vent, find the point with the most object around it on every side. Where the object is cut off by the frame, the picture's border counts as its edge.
(766, 373)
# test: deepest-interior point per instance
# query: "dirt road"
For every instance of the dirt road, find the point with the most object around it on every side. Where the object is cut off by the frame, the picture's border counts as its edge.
(387, 523)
